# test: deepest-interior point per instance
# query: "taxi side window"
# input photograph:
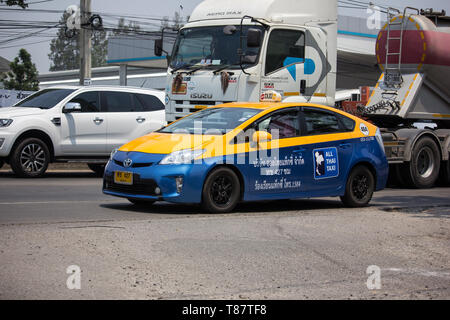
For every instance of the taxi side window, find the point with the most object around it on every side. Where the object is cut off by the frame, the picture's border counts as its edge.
(318, 122)
(282, 125)
(89, 101)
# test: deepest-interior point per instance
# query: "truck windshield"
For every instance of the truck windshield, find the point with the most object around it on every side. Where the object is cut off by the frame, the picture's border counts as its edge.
(215, 121)
(44, 99)
(213, 46)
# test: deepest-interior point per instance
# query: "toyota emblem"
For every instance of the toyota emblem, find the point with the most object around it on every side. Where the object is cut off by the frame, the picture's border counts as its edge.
(127, 163)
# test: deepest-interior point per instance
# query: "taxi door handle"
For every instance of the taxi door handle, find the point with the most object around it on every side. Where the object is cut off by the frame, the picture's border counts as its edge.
(345, 145)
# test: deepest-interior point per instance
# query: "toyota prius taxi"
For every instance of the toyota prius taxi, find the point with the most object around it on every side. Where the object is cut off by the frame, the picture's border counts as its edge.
(236, 152)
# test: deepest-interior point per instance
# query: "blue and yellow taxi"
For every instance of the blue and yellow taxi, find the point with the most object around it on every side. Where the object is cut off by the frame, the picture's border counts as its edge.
(237, 152)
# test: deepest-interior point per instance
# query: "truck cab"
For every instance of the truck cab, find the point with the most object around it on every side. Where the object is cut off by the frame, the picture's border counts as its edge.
(251, 48)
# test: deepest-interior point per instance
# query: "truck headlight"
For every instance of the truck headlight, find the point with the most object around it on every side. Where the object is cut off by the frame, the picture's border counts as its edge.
(182, 157)
(5, 123)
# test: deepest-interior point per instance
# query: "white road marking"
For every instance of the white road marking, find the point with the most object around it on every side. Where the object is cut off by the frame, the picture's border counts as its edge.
(426, 273)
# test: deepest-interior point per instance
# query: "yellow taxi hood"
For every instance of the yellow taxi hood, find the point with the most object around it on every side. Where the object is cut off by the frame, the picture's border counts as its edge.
(165, 143)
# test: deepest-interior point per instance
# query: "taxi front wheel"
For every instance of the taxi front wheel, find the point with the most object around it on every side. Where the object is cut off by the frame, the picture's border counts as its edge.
(221, 191)
(359, 188)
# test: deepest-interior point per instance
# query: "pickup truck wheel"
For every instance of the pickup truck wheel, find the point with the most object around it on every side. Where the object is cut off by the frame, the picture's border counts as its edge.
(423, 170)
(30, 158)
(359, 188)
(221, 191)
(99, 169)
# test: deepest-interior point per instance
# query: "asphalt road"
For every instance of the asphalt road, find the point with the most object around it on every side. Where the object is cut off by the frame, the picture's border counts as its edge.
(305, 249)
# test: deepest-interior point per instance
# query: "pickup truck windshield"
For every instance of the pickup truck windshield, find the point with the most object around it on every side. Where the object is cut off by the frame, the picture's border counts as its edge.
(213, 46)
(215, 121)
(44, 99)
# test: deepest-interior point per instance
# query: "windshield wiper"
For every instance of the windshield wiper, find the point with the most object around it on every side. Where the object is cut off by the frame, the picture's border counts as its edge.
(223, 68)
(187, 66)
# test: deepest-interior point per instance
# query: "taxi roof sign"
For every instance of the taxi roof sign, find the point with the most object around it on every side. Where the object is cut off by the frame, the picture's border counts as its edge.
(270, 96)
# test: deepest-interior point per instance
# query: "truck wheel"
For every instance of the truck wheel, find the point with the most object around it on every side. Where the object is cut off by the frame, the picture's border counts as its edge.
(99, 169)
(30, 158)
(423, 169)
(221, 191)
(359, 188)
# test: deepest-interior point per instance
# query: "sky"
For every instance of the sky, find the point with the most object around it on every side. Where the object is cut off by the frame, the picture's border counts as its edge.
(39, 46)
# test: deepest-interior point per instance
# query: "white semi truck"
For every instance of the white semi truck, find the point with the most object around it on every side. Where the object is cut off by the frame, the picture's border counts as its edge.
(234, 50)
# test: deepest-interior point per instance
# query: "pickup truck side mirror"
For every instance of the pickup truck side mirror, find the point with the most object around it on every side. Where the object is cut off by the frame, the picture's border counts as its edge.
(253, 38)
(261, 136)
(158, 50)
(72, 107)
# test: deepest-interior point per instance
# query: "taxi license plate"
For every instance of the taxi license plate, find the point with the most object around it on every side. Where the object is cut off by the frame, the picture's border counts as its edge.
(123, 178)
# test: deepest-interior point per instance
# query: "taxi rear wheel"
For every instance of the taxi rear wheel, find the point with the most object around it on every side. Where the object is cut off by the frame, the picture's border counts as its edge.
(221, 191)
(359, 188)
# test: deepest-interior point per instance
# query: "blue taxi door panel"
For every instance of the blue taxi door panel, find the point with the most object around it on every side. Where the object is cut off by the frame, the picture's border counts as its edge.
(274, 173)
(330, 162)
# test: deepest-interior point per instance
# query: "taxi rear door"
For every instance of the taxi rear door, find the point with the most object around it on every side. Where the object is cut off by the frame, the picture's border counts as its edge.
(328, 149)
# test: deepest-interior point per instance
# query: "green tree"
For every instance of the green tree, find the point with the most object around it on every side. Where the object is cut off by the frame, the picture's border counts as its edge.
(20, 3)
(65, 52)
(23, 74)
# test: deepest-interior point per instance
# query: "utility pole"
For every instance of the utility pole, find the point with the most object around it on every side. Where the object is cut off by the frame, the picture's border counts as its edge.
(85, 41)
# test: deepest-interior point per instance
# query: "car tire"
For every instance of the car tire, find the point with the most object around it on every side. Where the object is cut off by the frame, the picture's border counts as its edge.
(30, 158)
(141, 202)
(221, 191)
(359, 188)
(98, 169)
(422, 171)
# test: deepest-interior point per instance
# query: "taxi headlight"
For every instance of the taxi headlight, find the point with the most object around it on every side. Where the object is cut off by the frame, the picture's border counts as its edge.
(5, 123)
(113, 153)
(182, 157)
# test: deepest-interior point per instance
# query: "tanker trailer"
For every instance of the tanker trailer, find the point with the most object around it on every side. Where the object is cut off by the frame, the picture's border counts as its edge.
(413, 52)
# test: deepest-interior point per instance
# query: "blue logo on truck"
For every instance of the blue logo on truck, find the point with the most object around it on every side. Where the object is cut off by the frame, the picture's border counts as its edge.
(326, 163)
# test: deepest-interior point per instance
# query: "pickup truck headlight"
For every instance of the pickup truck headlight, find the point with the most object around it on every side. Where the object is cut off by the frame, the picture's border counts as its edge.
(182, 157)
(5, 123)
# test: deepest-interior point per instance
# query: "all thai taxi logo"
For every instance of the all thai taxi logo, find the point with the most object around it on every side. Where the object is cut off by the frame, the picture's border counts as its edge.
(326, 163)
(127, 163)
(364, 129)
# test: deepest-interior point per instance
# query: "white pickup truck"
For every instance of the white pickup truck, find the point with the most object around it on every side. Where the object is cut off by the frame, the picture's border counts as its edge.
(75, 124)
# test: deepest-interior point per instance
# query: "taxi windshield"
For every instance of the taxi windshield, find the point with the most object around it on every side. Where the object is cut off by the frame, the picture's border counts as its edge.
(213, 46)
(214, 121)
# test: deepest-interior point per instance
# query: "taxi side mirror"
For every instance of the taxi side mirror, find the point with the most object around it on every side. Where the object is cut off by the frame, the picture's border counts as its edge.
(261, 136)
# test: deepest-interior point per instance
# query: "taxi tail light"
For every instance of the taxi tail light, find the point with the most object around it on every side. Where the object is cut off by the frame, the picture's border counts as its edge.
(380, 140)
